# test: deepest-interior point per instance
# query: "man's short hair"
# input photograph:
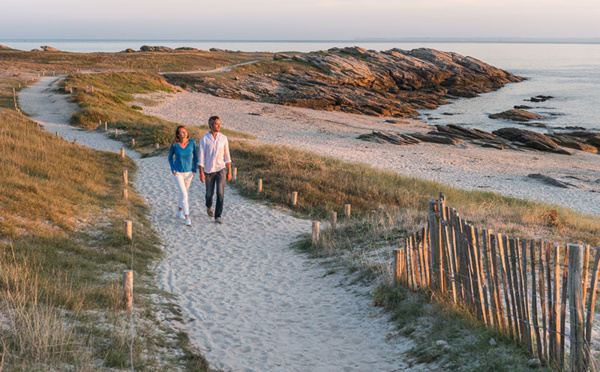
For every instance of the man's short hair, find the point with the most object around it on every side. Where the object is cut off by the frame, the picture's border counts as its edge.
(213, 119)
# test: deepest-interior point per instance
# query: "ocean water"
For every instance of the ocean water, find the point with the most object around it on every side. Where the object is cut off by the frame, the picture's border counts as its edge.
(568, 72)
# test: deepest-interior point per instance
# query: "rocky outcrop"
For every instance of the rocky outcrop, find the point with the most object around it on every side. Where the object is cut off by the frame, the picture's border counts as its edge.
(394, 83)
(505, 138)
(527, 138)
(4, 47)
(148, 48)
(128, 50)
(47, 48)
(516, 115)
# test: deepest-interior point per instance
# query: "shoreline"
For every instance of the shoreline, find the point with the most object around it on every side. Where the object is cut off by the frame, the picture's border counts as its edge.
(335, 134)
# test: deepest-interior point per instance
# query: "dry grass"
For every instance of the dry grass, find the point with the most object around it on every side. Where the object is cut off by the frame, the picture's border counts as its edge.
(62, 252)
(62, 62)
(110, 101)
(326, 184)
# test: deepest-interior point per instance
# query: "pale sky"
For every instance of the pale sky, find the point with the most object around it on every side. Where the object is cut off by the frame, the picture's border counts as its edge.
(297, 19)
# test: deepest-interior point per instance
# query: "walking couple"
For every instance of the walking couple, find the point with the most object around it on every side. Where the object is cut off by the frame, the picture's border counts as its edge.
(212, 156)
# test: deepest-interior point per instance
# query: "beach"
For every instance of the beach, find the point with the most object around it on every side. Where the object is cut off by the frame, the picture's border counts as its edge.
(335, 134)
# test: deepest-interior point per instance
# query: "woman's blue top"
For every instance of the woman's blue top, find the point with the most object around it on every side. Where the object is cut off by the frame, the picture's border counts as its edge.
(184, 159)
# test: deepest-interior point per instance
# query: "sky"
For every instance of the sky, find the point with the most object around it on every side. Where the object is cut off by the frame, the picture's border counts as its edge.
(298, 20)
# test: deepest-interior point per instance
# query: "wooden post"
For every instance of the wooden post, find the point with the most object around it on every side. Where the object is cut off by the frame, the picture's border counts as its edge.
(157, 146)
(397, 270)
(122, 152)
(315, 232)
(74, 140)
(116, 132)
(260, 185)
(125, 195)
(128, 289)
(235, 173)
(433, 240)
(56, 134)
(543, 298)
(578, 360)
(505, 285)
(125, 177)
(129, 229)
(133, 142)
(347, 210)
(591, 304)
(106, 126)
(294, 197)
(333, 219)
(534, 312)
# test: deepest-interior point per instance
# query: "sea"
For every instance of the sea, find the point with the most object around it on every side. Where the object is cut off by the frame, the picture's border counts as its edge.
(570, 73)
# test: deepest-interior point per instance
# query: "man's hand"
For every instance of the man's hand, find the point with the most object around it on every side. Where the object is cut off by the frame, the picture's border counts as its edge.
(174, 173)
(202, 178)
(228, 175)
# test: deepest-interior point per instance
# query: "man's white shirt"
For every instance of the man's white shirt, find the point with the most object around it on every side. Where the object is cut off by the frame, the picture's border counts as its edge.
(214, 152)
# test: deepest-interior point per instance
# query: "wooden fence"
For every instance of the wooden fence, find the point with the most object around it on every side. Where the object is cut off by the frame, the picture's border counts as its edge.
(521, 287)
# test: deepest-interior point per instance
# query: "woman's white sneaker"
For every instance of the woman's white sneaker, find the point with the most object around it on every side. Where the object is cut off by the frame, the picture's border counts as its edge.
(180, 215)
(188, 222)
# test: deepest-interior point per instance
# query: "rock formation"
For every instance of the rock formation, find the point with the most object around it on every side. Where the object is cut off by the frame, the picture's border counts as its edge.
(4, 47)
(389, 83)
(516, 115)
(47, 48)
(148, 48)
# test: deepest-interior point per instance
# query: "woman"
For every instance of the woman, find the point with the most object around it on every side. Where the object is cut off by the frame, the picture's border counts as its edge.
(183, 158)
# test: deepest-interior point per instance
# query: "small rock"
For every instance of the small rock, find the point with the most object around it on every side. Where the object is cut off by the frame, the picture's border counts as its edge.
(280, 56)
(443, 344)
(516, 115)
(493, 342)
(534, 363)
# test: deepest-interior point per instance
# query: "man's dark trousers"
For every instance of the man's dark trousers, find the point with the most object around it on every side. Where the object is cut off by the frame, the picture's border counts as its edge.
(217, 179)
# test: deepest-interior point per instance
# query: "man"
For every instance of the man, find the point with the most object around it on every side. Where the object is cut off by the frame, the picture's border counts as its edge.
(215, 166)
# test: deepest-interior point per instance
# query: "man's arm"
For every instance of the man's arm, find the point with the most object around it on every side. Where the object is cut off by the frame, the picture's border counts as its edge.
(227, 159)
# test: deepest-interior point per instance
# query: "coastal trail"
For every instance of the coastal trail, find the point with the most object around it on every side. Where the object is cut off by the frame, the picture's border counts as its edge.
(249, 302)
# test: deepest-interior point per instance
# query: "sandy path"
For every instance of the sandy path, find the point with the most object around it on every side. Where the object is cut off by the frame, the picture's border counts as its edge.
(216, 70)
(334, 134)
(251, 303)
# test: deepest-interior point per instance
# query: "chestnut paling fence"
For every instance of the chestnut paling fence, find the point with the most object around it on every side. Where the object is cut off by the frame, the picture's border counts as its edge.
(529, 289)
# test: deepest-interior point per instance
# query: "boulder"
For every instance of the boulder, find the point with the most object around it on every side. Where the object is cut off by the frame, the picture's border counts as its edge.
(280, 56)
(552, 181)
(47, 48)
(215, 50)
(128, 50)
(516, 115)
(148, 48)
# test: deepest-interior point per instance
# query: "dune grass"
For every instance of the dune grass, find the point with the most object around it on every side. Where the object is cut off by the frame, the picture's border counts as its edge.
(111, 101)
(62, 252)
(325, 184)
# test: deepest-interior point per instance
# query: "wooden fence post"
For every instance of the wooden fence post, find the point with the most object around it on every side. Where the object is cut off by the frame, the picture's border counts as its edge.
(578, 347)
(234, 172)
(315, 232)
(260, 185)
(128, 229)
(437, 273)
(397, 270)
(128, 289)
(106, 126)
(133, 142)
(333, 219)
(347, 210)
(294, 197)
(125, 195)
(122, 152)
(125, 177)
